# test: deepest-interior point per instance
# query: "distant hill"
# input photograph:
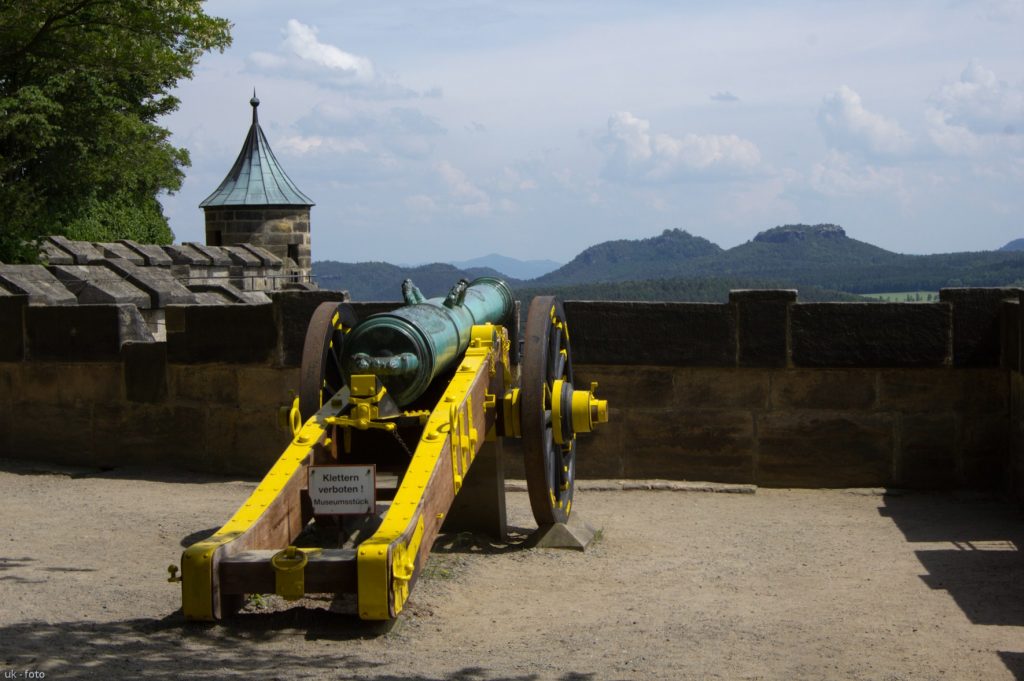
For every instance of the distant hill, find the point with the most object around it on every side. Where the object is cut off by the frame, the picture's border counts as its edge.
(799, 255)
(1015, 245)
(670, 254)
(383, 281)
(510, 267)
(819, 258)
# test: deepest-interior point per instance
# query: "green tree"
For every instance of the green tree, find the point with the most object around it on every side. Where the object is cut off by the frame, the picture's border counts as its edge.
(82, 86)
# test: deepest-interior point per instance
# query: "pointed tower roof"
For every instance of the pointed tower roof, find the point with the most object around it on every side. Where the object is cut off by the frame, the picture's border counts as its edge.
(256, 179)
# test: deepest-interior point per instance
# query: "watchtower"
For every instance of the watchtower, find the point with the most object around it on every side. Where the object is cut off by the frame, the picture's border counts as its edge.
(257, 203)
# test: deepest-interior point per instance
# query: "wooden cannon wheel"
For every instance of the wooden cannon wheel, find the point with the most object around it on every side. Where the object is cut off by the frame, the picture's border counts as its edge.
(321, 375)
(550, 467)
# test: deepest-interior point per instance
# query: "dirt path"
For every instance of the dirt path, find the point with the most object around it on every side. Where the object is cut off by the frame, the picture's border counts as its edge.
(781, 584)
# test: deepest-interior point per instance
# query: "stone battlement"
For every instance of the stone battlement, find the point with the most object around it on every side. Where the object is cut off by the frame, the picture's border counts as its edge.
(763, 389)
(147, 277)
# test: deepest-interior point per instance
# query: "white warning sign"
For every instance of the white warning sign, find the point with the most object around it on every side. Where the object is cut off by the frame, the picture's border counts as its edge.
(343, 490)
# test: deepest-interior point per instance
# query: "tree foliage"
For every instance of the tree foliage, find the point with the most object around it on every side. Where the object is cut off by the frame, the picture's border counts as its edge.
(82, 86)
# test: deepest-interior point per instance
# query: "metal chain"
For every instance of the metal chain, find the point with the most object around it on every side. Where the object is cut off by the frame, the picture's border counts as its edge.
(402, 442)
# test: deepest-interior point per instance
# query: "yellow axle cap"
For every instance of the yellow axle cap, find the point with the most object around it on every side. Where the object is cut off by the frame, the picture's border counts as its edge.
(587, 410)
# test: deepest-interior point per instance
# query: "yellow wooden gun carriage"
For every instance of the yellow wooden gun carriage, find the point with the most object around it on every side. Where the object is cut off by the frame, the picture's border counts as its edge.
(412, 396)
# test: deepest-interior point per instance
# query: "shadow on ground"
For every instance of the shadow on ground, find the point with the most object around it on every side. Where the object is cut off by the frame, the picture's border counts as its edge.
(162, 650)
(518, 539)
(147, 473)
(1015, 663)
(980, 559)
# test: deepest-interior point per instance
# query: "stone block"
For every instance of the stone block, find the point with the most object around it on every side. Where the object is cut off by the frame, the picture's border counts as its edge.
(152, 255)
(824, 449)
(976, 323)
(119, 250)
(180, 254)
(762, 324)
(81, 252)
(870, 334)
(12, 327)
(986, 449)
(237, 334)
(149, 435)
(668, 334)
(823, 389)
(36, 282)
(51, 432)
(927, 456)
(145, 371)
(226, 294)
(82, 332)
(600, 454)
(98, 285)
(635, 387)
(266, 257)
(51, 254)
(6, 408)
(293, 310)
(674, 444)
(242, 257)
(282, 238)
(207, 383)
(158, 282)
(258, 442)
(215, 255)
(724, 388)
(70, 384)
(266, 386)
(929, 390)
(1009, 343)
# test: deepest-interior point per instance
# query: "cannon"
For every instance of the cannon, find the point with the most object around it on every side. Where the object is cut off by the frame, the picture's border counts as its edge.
(390, 415)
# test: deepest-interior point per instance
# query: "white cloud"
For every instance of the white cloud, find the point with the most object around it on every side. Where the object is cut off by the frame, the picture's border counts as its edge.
(302, 41)
(955, 140)
(836, 176)
(470, 199)
(635, 153)
(267, 60)
(978, 115)
(982, 103)
(847, 125)
(307, 144)
(513, 180)
(420, 203)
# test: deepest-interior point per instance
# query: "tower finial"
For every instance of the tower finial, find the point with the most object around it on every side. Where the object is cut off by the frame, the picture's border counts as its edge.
(255, 102)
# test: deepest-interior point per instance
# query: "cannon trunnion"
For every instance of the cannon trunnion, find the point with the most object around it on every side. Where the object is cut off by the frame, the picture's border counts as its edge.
(413, 396)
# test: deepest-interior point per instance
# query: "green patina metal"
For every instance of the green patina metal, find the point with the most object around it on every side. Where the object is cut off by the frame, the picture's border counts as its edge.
(256, 178)
(409, 347)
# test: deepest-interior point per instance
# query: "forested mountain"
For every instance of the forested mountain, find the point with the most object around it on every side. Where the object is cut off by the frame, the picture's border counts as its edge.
(512, 267)
(669, 254)
(1015, 245)
(383, 281)
(819, 260)
(797, 255)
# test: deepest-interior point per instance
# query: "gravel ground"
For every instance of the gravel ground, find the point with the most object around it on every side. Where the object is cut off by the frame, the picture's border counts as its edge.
(779, 584)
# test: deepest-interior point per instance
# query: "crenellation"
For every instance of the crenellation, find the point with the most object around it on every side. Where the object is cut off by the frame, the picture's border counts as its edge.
(681, 406)
(119, 250)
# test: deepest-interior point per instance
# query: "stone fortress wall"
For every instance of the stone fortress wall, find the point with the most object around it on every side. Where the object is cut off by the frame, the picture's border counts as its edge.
(763, 389)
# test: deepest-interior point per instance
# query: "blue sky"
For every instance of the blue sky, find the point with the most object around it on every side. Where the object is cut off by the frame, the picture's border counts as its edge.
(447, 130)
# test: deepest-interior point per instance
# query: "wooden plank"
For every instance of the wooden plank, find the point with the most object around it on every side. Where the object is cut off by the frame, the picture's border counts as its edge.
(329, 571)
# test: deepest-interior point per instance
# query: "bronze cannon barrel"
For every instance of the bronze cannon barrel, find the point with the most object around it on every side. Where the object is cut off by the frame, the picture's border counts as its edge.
(409, 347)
